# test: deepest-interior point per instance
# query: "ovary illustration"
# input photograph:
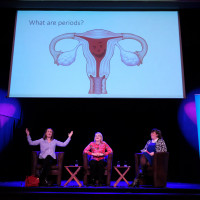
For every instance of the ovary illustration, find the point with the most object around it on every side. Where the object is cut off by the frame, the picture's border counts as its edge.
(98, 48)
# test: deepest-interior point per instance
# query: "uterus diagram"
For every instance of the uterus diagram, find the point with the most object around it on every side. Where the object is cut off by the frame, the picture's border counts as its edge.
(98, 47)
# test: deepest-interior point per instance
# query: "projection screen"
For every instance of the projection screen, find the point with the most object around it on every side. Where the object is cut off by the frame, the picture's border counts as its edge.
(97, 54)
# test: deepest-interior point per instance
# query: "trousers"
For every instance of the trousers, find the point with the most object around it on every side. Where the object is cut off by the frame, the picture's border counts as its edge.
(97, 170)
(46, 166)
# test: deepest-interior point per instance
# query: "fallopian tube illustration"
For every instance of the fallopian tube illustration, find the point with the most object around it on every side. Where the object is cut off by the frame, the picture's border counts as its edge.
(98, 49)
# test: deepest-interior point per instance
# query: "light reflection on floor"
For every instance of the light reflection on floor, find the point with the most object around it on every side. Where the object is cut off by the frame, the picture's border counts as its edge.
(121, 184)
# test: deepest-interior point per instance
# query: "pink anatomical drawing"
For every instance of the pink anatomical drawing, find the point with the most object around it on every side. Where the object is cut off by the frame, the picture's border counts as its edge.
(98, 48)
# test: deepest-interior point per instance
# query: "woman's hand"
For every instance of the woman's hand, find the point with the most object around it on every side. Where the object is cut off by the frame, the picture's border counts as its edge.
(94, 154)
(97, 154)
(70, 134)
(151, 154)
(27, 132)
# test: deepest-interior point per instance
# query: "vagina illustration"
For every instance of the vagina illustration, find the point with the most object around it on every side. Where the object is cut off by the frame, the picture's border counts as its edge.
(98, 48)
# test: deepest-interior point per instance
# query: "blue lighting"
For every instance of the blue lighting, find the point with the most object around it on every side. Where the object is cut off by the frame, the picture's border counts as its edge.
(187, 119)
(197, 100)
(10, 114)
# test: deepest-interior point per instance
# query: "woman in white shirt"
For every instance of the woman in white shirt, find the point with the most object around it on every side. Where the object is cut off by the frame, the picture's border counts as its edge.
(47, 155)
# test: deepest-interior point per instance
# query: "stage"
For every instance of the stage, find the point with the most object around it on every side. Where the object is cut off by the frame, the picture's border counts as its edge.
(173, 191)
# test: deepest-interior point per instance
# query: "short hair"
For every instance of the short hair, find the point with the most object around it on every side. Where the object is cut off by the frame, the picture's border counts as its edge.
(45, 137)
(99, 134)
(158, 132)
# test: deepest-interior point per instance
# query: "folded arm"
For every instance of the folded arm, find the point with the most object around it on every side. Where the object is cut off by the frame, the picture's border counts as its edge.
(87, 149)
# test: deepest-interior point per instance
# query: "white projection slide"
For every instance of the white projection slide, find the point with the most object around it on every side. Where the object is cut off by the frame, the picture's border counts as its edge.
(96, 54)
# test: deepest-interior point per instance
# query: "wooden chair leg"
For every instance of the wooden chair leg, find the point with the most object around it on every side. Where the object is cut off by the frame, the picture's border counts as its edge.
(59, 179)
(85, 179)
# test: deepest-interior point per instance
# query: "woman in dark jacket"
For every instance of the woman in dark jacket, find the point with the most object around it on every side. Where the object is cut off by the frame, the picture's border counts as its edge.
(156, 144)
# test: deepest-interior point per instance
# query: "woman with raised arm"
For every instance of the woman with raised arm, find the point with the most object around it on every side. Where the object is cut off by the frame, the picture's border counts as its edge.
(156, 144)
(47, 156)
(98, 150)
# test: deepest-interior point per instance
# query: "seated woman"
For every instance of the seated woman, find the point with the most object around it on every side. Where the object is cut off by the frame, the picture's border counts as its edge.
(47, 156)
(156, 144)
(98, 150)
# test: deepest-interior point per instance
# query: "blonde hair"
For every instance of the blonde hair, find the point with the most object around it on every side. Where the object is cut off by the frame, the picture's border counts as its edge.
(100, 135)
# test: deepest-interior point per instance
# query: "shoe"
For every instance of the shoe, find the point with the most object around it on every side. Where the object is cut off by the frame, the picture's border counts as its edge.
(40, 172)
(141, 173)
(135, 183)
(92, 183)
(42, 183)
(101, 183)
(45, 182)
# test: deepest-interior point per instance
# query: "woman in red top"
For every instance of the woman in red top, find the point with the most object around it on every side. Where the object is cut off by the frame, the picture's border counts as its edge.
(98, 150)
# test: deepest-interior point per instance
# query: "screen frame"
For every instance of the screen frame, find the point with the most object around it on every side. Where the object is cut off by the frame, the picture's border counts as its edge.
(106, 10)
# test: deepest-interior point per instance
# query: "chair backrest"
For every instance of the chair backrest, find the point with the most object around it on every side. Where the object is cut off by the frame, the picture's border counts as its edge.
(89, 158)
(35, 157)
(59, 155)
(109, 161)
(60, 158)
(159, 168)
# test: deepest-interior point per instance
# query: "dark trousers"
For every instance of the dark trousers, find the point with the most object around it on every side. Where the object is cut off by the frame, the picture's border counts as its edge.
(144, 163)
(97, 170)
(46, 166)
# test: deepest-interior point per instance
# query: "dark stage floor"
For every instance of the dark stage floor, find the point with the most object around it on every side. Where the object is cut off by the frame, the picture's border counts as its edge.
(173, 191)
